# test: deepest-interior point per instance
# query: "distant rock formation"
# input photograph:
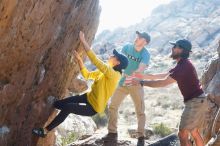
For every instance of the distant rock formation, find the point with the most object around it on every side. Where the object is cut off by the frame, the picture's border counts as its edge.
(36, 62)
(211, 84)
(196, 20)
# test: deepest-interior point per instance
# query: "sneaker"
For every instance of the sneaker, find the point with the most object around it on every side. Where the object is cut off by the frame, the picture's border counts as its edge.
(140, 141)
(39, 132)
(51, 100)
(110, 137)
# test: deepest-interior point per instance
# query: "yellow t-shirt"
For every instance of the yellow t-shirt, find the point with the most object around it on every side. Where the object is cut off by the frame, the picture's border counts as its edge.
(105, 82)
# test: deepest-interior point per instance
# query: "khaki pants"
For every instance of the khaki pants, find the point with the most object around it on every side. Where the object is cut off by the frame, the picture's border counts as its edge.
(137, 95)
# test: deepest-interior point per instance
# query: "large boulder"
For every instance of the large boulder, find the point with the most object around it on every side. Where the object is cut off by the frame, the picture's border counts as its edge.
(37, 63)
(69, 130)
(211, 84)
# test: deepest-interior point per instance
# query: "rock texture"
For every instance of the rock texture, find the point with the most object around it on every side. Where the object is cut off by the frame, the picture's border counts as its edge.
(70, 130)
(211, 84)
(170, 140)
(95, 140)
(211, 77)
(132, 131)
(36, 45)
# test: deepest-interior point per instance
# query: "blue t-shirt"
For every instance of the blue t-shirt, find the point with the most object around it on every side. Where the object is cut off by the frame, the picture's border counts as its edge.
(134, 59)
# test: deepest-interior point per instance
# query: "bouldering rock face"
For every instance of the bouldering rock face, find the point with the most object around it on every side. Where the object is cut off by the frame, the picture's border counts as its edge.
(36, 61)
(211, 84)
(77, 86)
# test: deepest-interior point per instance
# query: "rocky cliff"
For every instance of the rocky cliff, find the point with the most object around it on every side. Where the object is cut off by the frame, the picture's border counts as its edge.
(196, 20)
(37, 64)
(211, 84)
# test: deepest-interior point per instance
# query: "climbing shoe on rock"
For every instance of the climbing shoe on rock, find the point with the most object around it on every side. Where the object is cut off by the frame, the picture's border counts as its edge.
(40, 132)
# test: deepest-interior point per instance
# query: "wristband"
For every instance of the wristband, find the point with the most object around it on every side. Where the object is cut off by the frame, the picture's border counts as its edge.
(142, 82)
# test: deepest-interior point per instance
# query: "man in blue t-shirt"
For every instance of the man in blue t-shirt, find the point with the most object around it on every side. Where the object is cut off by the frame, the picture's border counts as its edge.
(138, 58)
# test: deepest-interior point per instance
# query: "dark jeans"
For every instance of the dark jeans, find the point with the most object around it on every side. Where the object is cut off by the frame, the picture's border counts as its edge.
(75, 104)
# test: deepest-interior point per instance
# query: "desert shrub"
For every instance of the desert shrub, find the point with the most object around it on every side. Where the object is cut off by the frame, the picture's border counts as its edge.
(161, 130)
(68, 139)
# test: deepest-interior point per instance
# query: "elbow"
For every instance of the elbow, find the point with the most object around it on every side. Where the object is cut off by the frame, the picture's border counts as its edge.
(85, 77)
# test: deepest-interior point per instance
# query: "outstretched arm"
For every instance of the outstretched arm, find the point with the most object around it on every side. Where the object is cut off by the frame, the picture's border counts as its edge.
(142, 66)
(136, 74)
(83, 40)
(79, 60)
(84, 71)
(104, 68)
(155, 83)
(151, 76)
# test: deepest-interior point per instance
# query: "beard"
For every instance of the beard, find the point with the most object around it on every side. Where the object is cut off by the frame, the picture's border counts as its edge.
(175, 56)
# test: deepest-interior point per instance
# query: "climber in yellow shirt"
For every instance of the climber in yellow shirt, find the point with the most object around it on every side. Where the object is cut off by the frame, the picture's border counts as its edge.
(106, 79)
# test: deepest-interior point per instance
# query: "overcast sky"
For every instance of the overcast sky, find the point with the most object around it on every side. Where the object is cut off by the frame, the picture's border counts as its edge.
(123, 13)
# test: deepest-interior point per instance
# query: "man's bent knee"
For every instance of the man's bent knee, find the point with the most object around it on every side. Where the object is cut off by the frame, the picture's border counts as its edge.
(195, 133)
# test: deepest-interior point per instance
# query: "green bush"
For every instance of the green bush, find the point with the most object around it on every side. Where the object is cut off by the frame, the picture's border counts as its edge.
(68, 139)
(161, 130)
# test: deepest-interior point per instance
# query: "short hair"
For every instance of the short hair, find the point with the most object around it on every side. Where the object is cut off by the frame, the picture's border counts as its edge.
(185, 54)
(117, 68)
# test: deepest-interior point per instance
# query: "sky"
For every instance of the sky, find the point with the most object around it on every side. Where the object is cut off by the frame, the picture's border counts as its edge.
(123, 13)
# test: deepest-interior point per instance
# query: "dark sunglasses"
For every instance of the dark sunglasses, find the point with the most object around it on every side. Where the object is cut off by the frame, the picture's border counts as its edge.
(177, 46)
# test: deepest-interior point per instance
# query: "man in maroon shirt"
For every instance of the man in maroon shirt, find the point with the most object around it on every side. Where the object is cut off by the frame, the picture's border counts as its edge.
(185, 75)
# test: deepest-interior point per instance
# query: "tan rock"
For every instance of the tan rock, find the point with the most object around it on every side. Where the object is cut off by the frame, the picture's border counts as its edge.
(211, 84)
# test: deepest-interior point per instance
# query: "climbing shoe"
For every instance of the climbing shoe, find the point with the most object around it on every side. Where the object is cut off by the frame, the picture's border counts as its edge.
(110, 137)
(39, 132)
(140, 141)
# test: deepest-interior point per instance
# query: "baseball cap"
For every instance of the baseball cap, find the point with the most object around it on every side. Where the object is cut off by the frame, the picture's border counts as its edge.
(183, 43)
(122, 58)
(144, 35)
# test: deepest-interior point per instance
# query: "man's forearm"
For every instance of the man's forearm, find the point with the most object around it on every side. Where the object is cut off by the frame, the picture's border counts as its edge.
(155, 76)
(154, 84)
(141, 68)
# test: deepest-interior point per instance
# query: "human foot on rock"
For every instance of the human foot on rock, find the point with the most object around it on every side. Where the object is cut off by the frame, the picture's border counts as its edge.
(40, 132)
